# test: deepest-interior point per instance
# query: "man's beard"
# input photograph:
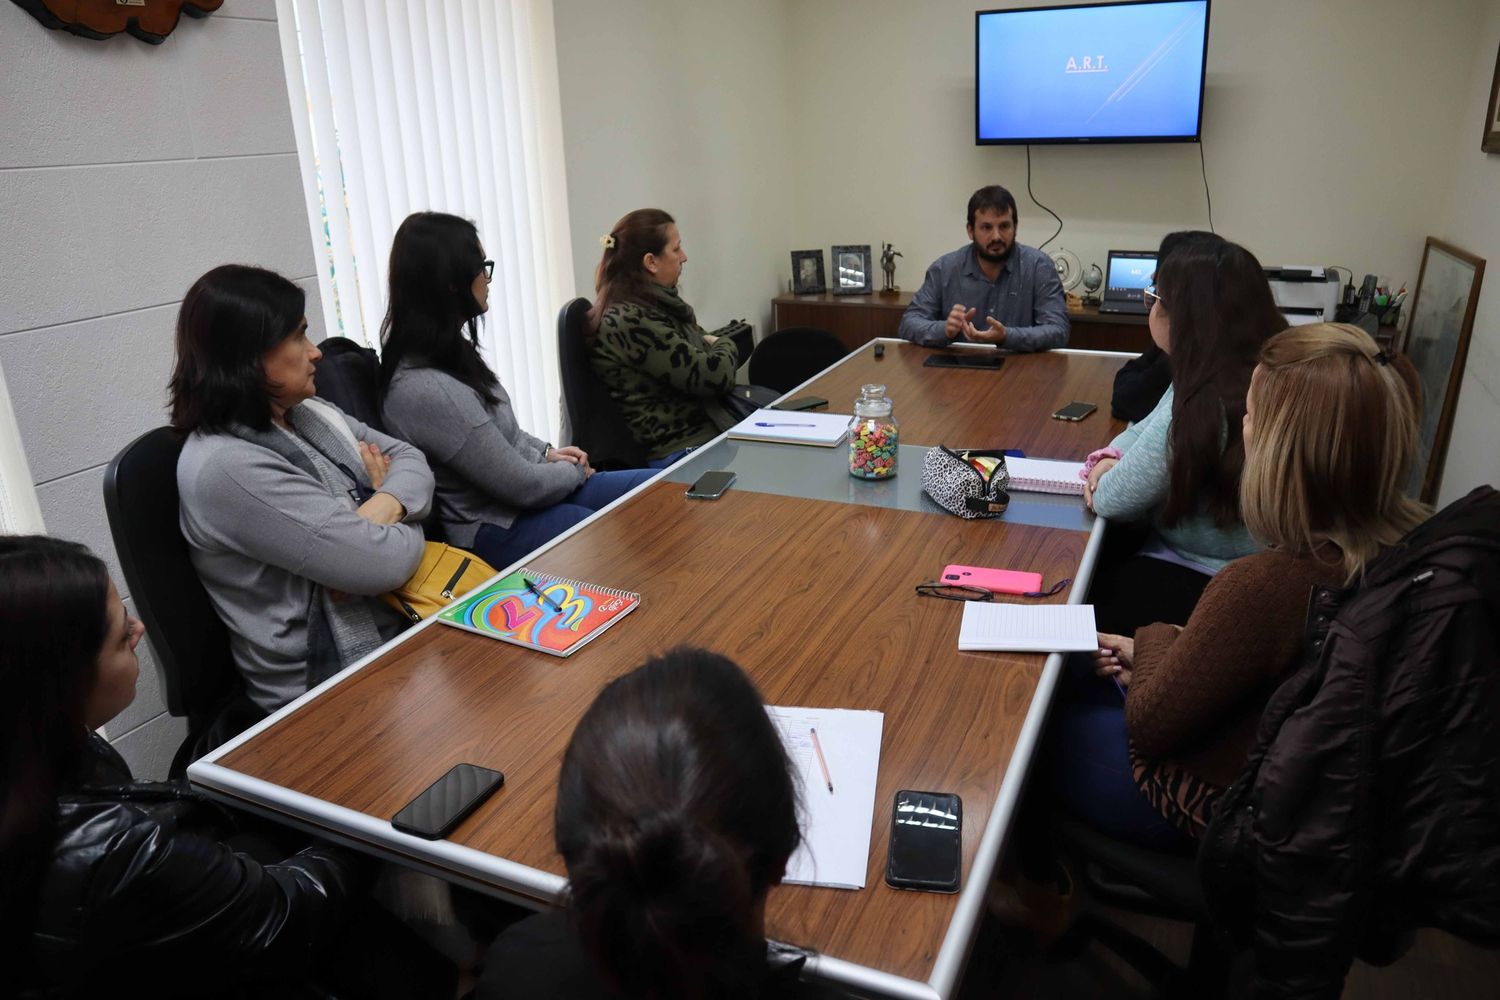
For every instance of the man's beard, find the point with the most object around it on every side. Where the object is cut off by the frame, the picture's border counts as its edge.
(993, 258)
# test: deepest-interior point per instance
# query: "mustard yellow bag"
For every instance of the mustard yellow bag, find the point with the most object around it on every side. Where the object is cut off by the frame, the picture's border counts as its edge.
(445, 574)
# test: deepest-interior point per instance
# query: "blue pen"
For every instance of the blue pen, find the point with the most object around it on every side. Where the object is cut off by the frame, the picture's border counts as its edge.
(541, 596)
(766, 423)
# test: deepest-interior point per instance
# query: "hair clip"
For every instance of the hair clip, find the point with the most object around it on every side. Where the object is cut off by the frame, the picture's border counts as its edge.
(607, 242)
(1382, 357)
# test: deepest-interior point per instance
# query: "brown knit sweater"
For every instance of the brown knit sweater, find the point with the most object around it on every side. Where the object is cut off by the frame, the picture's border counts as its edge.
(1196, 693)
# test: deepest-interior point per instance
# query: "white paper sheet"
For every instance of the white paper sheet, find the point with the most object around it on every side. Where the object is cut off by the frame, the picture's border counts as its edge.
(1028, 628)
(836, 825)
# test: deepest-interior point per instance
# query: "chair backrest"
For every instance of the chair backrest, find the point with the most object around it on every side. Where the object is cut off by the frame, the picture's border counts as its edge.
(349, 378)
(789, 357)
(597, 423)
(189, 640)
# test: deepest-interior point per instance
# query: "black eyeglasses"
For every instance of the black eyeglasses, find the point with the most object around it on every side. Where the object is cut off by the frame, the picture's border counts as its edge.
(960, 592)
(1149, 296)
(488, 267)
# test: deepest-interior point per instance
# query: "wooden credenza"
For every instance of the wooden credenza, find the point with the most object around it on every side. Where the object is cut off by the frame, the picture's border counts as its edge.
(859, 319)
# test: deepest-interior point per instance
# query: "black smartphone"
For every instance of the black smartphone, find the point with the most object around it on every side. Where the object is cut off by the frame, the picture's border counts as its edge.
(926, 842)
(1074, 411)
(802, 403)
(990, 361)
(711, 485)
(447, 801)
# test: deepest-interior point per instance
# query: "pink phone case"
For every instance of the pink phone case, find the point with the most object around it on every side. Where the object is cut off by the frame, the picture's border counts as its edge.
(999, 581)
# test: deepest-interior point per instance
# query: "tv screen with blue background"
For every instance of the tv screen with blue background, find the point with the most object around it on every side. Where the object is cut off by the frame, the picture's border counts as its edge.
(1128, 72)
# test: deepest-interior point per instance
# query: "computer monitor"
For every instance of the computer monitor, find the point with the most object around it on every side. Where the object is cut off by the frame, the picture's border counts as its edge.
(1125, 275)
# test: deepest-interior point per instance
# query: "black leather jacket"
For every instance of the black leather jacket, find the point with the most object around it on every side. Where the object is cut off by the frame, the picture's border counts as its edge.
(1371, 802)
(141, 896)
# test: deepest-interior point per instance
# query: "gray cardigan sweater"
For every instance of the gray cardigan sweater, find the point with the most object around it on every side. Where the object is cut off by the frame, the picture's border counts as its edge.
(262, 533)
(488, 470)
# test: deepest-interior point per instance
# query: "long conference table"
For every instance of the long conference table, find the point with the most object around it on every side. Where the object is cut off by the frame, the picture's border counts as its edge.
(803, 575)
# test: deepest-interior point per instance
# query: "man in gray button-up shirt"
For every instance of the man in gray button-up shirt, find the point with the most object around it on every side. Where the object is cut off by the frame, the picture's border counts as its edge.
(993, 291)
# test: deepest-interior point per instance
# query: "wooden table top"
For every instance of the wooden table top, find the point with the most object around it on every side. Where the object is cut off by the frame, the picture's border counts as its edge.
(813, 598)
(970, 408)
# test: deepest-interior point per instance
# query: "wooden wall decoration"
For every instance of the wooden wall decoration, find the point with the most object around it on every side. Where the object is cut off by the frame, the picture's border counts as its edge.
(149, 20)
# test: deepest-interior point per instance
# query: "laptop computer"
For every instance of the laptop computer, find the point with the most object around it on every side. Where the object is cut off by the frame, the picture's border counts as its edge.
(1127, 272)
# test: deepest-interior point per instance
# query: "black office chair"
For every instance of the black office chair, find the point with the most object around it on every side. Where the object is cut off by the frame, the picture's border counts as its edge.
(349, 378)
(1153, 882)
(592, 419)
(789, 357)
(191, 645)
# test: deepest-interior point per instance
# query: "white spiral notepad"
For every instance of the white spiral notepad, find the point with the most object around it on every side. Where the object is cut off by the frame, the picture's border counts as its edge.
(1044, 475)
(1028, 628)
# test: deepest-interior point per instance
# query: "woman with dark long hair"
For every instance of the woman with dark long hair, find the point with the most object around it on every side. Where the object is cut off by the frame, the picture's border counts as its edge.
(296, 515)
(117, 886)
(662, 368)
(501, 492)
(1179, 468)
(676, 815)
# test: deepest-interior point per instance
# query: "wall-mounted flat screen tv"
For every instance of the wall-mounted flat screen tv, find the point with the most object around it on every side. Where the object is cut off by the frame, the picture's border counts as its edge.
(1119, 72)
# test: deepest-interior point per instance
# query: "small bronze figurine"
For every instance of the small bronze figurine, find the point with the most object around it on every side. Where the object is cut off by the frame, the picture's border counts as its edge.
(888, 257)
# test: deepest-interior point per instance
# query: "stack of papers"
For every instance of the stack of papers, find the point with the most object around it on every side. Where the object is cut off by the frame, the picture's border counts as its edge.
(1028, 628)
(792, 427)
(835, 849)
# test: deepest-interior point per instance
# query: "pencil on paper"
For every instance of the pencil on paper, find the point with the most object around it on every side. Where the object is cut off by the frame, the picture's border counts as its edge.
(822, 761)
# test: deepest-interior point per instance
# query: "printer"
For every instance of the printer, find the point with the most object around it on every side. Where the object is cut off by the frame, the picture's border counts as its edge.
(1304, 294)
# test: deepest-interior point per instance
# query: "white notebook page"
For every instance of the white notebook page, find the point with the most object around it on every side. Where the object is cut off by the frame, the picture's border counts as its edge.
(1028, 628)
(835, 849)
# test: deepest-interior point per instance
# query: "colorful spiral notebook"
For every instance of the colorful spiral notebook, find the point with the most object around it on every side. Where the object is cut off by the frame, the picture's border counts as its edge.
(559, 616)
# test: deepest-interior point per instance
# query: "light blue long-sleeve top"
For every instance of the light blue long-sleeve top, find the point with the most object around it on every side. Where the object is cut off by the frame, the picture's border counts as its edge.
(1136, 489)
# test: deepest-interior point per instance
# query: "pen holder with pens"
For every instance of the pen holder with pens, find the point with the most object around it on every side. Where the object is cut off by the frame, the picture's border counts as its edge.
(874, 435)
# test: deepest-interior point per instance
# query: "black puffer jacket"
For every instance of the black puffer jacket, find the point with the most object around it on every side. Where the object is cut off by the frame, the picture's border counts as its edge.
(1371, 803)
(141, 896)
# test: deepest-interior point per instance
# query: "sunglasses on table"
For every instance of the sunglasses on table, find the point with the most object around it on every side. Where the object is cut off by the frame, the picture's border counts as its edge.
(962, 592)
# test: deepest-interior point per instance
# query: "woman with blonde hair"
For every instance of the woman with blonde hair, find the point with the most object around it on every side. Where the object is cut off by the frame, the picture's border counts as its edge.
(1330, 435)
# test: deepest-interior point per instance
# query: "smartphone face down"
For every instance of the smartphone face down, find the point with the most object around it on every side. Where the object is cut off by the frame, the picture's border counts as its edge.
(447, 801)
(926, 841)
(998, 581)
(711, 485)
(1075, 411)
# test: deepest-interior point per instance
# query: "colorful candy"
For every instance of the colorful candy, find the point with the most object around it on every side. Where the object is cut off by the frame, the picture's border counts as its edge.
(872, 448)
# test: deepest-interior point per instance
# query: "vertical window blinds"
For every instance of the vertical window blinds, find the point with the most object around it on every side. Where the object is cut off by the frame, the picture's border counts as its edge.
(443, 105)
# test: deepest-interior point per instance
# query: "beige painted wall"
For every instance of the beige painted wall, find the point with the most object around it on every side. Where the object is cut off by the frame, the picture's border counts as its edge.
(1300, 166)
(680, 105)
(1473, 222)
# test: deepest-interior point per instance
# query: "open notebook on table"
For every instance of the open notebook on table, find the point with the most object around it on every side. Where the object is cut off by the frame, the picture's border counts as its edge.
(835, 848)
(1028, 628)
(554, 615)
(1044, 475)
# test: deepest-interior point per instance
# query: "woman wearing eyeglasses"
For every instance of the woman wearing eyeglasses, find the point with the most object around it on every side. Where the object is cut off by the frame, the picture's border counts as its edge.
(501, 492)
(1178, 470)
(296, 516)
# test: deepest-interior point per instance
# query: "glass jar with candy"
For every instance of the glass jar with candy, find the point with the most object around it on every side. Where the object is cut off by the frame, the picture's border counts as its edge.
(874, 435)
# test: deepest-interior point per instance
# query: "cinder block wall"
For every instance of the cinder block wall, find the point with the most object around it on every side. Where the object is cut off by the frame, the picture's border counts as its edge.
(128, 170)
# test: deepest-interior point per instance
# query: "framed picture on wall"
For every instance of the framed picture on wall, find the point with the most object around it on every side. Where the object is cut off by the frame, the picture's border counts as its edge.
(851, 270)
(1491, 142)
(807, 272)
(1437, 342)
